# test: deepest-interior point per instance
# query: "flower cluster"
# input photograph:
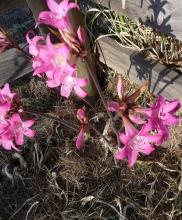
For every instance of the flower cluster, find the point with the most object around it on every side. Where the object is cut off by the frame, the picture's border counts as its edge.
(12, 127)
(144, 127)
(59, 61)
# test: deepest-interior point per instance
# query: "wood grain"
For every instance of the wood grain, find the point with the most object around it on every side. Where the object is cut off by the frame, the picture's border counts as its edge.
(164, 15)
(13, 65)
(162, 80)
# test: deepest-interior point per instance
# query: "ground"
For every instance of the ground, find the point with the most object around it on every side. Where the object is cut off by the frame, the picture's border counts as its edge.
(52, 180)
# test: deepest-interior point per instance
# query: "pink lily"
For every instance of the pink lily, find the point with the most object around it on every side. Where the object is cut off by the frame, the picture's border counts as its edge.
(6, 98)
(72, 82)
(50, 59)
(162, 111)
(136, 142)
(6, 135)
(124, 101)
(55, 57)
(80, 139)
(161, 115)
(8, 144)
(34, 47)
(81, 115)
(21, 128)
(58, 14)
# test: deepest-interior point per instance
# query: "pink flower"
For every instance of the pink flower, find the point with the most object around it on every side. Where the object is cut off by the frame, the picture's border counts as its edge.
(72, 82)
(82, 117)
(4, 42)
(6, 98)
(34, 47)
(124, 101)
(161, 115)
(21, 128)
(137, 118)
(80, 139)
(58, 14)
(81, 35)
(8, 144)
(55, 60)
(162, 111)
(6, 135)
(136, 142)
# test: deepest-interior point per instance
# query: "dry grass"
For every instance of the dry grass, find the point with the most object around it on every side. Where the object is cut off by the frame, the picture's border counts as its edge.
(54, 181)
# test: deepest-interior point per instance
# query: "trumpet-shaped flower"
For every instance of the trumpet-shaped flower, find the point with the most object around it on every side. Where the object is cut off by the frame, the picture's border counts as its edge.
(124, 101)
(6, 135)
(162, 115)
(58, 14)
(55, 61)
(6, 98)
(21, 128)
(72, 82)
(80, 139)
(136, 142)
(12, 128)
(82, 117)
(49, 58)
(162, 111)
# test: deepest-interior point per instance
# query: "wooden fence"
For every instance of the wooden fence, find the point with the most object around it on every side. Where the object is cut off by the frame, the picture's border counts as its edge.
(164, 15)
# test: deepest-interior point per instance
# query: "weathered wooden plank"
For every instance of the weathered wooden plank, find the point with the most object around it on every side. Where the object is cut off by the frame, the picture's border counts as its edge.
(13, 65)
(164, 15)
(162, 80)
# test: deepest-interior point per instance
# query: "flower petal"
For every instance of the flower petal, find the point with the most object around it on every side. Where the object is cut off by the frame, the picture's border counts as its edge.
(120, 88)
(19, 139)
(132, 157)
(171, 106)
(121, 154)
(124, 138)
(53, 5)
(147, 149)
(113, 106)
(136, 119)
(80, 139)
(81, 35)
(131, 131)
(66, 90)
(80, 92)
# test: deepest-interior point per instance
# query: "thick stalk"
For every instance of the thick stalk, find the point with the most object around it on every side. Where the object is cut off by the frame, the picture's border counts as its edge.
(103, 101)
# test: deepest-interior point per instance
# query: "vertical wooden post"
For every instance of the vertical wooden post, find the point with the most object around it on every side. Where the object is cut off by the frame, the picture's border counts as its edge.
(36, 6)
(77, 19)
